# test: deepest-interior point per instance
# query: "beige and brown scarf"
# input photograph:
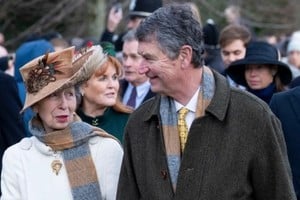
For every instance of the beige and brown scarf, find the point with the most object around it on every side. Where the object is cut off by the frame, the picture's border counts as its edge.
(73, 142)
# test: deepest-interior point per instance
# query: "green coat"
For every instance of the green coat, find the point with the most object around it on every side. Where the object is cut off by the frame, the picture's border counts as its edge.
(111, 121)
(235, 152)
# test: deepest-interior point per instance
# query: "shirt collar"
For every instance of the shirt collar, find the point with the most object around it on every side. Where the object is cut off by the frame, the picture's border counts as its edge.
(191, 105)
(140, 89)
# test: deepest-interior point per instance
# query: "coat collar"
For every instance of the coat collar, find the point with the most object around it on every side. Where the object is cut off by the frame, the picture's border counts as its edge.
(217, 107)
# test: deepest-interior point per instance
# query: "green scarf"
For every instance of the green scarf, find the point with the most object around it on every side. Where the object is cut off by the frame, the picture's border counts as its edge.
(73, 142)
(169, 122)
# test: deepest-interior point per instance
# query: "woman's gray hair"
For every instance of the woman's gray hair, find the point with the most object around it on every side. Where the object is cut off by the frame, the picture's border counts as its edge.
(172, 27)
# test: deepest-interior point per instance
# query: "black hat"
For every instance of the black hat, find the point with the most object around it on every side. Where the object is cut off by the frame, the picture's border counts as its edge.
(259, 53)
(210, 35)
(143, 8)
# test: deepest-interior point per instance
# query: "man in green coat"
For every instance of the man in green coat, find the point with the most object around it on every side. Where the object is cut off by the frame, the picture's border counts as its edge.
(234, 149)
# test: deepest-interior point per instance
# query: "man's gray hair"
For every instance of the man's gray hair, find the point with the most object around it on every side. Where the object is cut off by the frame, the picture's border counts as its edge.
(172, 27)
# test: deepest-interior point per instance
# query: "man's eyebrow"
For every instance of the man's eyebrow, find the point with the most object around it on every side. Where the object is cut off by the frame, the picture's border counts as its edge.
(146, 55)
(140, 53)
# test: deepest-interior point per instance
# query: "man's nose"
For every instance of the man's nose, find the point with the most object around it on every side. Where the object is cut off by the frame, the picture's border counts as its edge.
(142, 69)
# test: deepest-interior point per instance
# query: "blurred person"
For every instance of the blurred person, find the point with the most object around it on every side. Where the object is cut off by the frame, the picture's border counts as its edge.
(282, 43)
(233, 42)
(295, 35)
(48, 36)
(59, 43)
(261, 71)
(285, 105)
(24, 53)
(212, 54)
(7, 65)
(228, 146)
(233, 14)
(78, 42)
(135, 87)
(65, 158)
(3, 51)
(295, 82)
(271, 39)
(293, 57)
(2, 38)
(12, 129)
(101, 105)
(138, 10)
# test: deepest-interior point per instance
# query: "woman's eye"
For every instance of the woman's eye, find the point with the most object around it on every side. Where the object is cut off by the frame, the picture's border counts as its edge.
(53, 94)
(102, 78)
(115, 77)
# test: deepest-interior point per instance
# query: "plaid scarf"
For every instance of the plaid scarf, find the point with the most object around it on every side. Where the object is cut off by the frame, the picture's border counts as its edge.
(169, 122)
(73, 142)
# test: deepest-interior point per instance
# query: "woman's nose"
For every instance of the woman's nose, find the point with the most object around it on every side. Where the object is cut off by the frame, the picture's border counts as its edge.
(63, 102)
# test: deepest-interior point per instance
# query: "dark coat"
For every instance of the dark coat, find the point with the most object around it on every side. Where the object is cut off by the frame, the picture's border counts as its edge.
(11, 122)
(214, 60)
(235, 152)
(117, 40)
(123, 86)
(286, 106)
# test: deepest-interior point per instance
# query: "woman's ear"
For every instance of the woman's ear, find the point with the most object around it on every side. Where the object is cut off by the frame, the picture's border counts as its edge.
(81, 88)
(35, 108)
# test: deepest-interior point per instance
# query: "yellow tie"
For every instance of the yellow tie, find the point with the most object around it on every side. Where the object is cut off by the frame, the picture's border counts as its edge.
(182, 127)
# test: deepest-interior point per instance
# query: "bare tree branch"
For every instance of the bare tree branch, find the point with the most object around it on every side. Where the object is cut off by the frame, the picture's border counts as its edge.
(55, 15)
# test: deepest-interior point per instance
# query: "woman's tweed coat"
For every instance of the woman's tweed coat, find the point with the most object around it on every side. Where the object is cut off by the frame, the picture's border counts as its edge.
(235, 152)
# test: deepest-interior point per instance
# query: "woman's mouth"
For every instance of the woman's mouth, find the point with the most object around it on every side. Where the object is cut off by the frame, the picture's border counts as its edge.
(62, 118)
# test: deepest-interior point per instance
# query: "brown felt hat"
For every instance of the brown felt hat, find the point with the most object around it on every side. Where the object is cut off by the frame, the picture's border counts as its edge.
(53, 71)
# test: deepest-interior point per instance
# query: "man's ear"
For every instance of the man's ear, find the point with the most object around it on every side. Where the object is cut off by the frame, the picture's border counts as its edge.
(185, 55)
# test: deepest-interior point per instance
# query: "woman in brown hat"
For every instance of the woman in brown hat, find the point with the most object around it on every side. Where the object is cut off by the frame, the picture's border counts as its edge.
(65, 158)
(260, 71)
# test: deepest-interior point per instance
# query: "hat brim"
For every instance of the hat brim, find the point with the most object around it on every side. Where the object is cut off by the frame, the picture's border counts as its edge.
(140, 14)
(236, 70)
